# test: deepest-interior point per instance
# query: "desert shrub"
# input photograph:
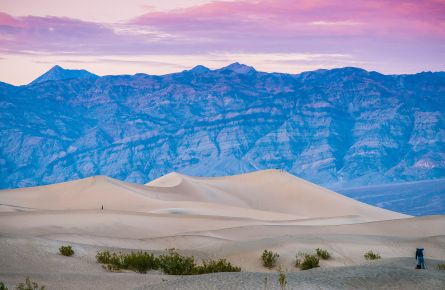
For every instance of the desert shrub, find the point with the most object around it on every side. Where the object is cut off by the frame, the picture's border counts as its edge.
(173, 263)
(282, 280)
(103, 257)
(106, 257)
(324, 254)
(139, 261)
(370, 255)
(299, 257)
(309, 262)
(3, 286)
(439, 266)
(269, 259)
(28, 285)
(212, 266)
(66, 251)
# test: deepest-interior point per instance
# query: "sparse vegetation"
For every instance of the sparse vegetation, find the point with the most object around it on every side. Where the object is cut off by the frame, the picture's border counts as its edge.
(309, 262)
(29, 285)
(139, 262)
(323, 254)
(107, 258)
(3, 286)
(213, 266)
(299, 257)
(66, 251)
(269, 259)
(439, 267)
(173, 263)
(370, 255)
(282, 280)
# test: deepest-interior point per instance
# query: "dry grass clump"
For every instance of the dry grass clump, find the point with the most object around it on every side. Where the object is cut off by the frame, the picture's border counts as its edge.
(269, 259)
(323, 254)
(370, 255)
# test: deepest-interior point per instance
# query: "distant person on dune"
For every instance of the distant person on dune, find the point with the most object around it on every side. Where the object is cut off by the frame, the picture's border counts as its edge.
(420, 259)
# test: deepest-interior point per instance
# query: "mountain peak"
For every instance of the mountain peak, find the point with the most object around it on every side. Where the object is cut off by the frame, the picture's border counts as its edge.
(239, 68)
(200, 69)
(56, 67)
(59, 73)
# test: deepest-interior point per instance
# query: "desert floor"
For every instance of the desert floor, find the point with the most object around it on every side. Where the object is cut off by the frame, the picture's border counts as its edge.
(234, 217)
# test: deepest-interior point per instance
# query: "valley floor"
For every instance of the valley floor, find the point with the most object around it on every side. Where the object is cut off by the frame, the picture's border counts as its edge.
(39, 259)
(231, 217)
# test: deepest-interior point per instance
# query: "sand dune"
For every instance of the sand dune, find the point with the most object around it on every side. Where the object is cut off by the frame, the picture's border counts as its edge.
(270, 190)
(234, 217)
(269, 194)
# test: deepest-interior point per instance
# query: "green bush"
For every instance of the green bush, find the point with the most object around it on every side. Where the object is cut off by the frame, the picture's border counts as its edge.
(269, 259)
(28, 285)
(212, 266)
(370, 255)
(439, 266)
(282, 280)
(173, 263)
(3, 286)
(139, 261)
(324, 254)
(105, 257)
(309, 262)
(66, 251)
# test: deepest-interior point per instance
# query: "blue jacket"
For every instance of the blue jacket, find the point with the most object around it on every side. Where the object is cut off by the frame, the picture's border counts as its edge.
(419, 253)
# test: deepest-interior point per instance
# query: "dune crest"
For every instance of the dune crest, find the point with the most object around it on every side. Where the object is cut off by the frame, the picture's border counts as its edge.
(268, 194)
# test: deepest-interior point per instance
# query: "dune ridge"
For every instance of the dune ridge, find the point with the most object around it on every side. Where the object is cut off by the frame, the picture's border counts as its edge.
(269, 194)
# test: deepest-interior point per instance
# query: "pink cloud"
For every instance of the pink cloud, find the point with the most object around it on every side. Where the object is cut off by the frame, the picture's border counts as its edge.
(7, 20)
(242, 26)
(372, 31)
(293, 18)
(62, 35)
(46, 33)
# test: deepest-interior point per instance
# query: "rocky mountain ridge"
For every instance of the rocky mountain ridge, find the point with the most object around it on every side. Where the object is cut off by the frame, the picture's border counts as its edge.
(339, 127)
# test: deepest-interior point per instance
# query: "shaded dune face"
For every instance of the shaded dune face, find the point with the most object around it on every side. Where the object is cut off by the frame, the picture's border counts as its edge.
(262, 195)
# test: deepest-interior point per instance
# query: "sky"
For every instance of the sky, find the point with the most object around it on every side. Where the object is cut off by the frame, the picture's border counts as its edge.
(157, 37)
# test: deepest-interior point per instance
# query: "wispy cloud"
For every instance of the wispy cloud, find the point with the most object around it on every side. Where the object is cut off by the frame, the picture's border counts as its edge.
(293, 18)
(390, 36)
(241, 26)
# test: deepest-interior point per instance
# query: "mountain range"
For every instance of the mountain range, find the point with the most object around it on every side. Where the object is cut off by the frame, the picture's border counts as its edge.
(339, 128)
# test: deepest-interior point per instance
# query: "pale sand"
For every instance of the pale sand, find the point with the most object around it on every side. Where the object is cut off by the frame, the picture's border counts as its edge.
(234, 217)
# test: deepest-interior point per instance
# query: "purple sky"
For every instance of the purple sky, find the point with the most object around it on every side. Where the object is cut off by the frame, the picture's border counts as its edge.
(129, 36)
